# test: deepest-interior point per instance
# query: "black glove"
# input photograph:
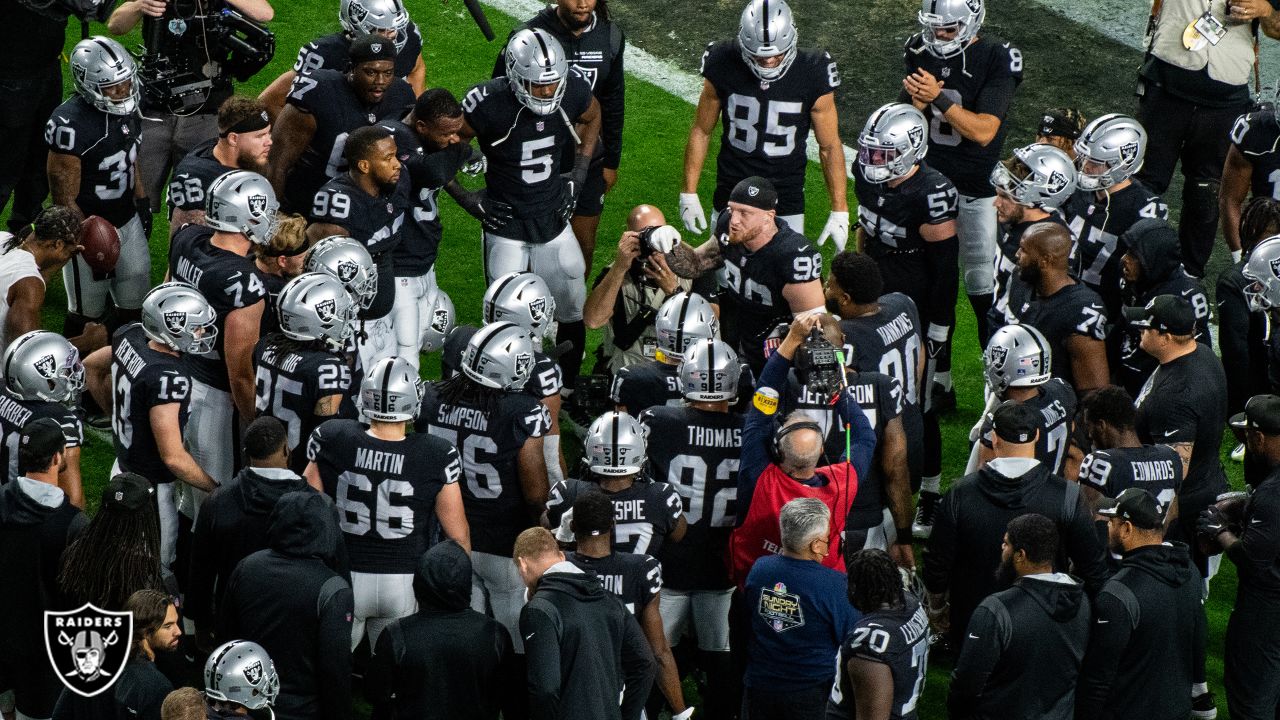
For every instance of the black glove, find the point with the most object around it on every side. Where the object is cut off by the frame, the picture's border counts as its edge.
(492, 214)
(571, 189)
(143, 206)
(1211, 522)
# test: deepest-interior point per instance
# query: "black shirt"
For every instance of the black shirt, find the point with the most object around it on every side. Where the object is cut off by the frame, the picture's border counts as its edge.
(1257, 552)
(142, 379)
(291, 378)
(141, 690)
(1073, 310)
(1097, 224)
(107, 146)
(15, 414)
(1010, 290)
(897, 638)
(635, 579)
(32, 41)
(646, 512)
(192, 176)
(1257, 136)
(333, 52)
(891, 217)
(1056, 403)
(1155, 468)
(428, 173)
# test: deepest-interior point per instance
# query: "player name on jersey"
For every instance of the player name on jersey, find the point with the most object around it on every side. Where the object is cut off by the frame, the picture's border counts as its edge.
(380, 461)
(1053, 413)
(188, 271)
(715, 437)
(896, 329)
(12, 412)
(129, 358)
(462, 417)
(1148, 471)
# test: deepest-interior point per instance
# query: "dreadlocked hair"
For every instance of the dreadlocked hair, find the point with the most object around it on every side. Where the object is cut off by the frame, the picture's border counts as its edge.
(874, 581)
(462, 390)
(116, 555)
(283, 344)
(1260, 218)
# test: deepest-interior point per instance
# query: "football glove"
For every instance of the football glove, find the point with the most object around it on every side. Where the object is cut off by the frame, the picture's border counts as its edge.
(837, 228)
(695, 221)
(571, 189)
(1212, 522)
(492, 214)
(143, 206)
(476, 165)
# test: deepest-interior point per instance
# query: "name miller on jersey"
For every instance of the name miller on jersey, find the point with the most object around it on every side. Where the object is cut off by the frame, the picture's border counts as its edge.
(379, 461)
(897, 328)
(715, 437)
(188, 272)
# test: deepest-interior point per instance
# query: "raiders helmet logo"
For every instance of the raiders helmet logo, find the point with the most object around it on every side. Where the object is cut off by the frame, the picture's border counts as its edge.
(523, 364)
(1057, 182)
(88, 647)
(975, 6)
(253, 673)
(1129, 152)
(1275, 267)
(915, 135)
(538, 309)
(1048, 120)
(440, 320)
(358, 13)
(327, 310)
(347, 270)
(998, 355)
(375, 47)
(47, 367)
(257, 204)
(175, 321)
(752, 191)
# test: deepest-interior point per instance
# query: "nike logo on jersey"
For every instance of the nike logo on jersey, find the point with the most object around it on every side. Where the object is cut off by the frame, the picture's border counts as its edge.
(1103, 622)
(973, 637)
(526, 637)
(1255, 521)
(1170, 433)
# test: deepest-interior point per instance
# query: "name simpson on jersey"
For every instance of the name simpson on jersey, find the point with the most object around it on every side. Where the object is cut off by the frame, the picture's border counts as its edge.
(462, 417)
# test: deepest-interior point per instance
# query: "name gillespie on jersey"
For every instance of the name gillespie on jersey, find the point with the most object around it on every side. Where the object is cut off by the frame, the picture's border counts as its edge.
(715, 437)
(379, 461)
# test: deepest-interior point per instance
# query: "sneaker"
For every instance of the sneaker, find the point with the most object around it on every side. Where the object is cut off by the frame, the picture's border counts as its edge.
(1203, 707)
(922, 526)
(1237, 455)
(941, 400)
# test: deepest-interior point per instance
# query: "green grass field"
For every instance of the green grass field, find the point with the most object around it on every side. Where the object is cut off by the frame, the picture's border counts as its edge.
(1096, 77)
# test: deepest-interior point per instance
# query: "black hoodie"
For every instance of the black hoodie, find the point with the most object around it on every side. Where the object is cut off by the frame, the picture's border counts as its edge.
(1023, 651)
(1147, 637)
(231, 526)
(447, 661)
(584, 650)
(289, 600)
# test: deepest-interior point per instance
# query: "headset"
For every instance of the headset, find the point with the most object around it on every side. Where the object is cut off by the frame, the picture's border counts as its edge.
(778, 455)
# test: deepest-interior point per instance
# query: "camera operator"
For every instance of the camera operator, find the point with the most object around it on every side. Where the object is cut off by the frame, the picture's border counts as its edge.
(187, 74)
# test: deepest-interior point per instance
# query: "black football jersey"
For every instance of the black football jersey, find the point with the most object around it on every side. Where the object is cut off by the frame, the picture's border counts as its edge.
(636, 579)
(1257, 136)
(651, 383)
(385, 491)
(227, 280)
(1097, 224)
(889, 342)
(765, 125)
(1155, 468)
(428, 173)
(697, 452)
(1135, 364)
(143, 378)
(192, 176)
(490, 440)
(524, 150)
(290, 380)
(545, 380)
(891, 217)
(897, 638)
(645, 513)
(328, 97)
(107, 146)
(333, 52)
(1010, 291)
(271, 312)
(15, 414)
(376, 221)
(1073, 310)
(1056, 403)
(982, 79)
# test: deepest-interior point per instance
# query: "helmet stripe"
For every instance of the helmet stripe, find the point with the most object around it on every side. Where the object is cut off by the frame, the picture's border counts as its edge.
(617, 420)
(711, 364)
(386, 384)
(765, 18)
(497, 292)
(484, 343)
(684, 308)
(546, 51)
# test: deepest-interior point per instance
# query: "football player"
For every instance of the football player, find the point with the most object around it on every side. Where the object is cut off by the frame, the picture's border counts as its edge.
(882, 664)
(240, 214)
(324, 106)
(1030, 186)
(695, 447)
(682, 320)
(388, 485)
(523, 122)
(384, 18)
(767, 94)
(1061, 127)
(302, 375)
(500, 431)
(43, 378)
(243, 143)
(1253, 160)
(92, 167)
(907, 223)
(964, 83)
(649, 512)
(368, 202)
(1120, 460)
(594, 45)
(25, 261)
(280, 261)
(1108, 202)
(348, 260)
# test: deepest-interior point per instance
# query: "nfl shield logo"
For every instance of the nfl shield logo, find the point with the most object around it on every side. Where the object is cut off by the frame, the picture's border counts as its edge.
(946, 72)
(175, 321)
(524, 363)
(257, 204)
(47, 367)
(88, 647)
(347, 270)
(327, 310)
(542, 125)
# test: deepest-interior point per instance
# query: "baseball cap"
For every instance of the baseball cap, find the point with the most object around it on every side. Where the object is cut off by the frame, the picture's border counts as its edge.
(128, 491)
(756, 192)
(1137, 505)
(1062, 122)
(372, 47)
(1261, 413)
(1164, 313)
(1015, 422)
(40, 439)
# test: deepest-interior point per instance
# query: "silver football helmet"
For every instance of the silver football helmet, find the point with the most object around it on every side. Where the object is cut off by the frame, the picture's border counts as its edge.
(964, 17)
(42, 365)
(370, 17)
(1017, 356)
(177, 316)
(1115, 141)
(894, 139)
(534, 57)
(99, 64)
(316, 306)
(1051, 180)
(391, 391)
(243, 202)
(682, 319)
(348, 260)
(709, 372)
(241, 672)
(767, 30)
(439, 322)
(499, 356)
(522, 298)
(616, 445)
(1263, 270)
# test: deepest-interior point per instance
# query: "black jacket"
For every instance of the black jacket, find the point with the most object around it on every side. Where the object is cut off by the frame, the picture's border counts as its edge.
(289, 600)
(1257, 553)
(1242, 337)
(447, 661)
(583, 648)
(1023, 653)
(1147, 636)
(232, 525)
(963, 551)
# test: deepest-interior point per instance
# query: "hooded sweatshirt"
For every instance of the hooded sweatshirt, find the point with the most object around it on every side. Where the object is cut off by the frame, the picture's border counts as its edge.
(288, 599)
(232, 525)
(1147, 637)
(1023, 652)
(447, 661)
(584, 650)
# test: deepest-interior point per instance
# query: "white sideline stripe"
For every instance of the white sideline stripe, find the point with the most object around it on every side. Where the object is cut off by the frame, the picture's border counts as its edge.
(650, 68)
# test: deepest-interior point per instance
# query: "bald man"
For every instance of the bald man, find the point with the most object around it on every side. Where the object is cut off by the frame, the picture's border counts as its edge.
(1068, 313)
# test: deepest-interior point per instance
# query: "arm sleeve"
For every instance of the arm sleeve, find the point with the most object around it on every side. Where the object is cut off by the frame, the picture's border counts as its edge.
(1233, 339)
(940, 549)
(638, 668)
(757, 430)
(612, 98)
(981, 652)
(542, 658)
(1107, 640)
(944, 284)
(203, 574)
(333, 652)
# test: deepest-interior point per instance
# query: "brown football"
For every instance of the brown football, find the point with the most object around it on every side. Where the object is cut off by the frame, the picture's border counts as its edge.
(101, 244)
(1232, 506)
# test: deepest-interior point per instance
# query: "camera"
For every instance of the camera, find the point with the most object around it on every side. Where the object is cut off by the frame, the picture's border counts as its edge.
(818, 365)
(655, 239)
(187, 56)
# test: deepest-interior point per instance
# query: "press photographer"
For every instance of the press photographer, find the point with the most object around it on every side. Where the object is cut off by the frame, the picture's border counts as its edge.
(192, 49)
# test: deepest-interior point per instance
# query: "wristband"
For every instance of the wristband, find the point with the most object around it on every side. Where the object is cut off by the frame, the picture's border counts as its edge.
(943, 103)
(904, 536)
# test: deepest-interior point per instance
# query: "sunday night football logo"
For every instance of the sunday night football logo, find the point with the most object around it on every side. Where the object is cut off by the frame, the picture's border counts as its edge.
(88, 647)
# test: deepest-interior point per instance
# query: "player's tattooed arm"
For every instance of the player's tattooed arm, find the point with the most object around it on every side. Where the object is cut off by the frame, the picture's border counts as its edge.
(64, 178)
(182, 217)
(706, 256)
(290, 136)
(328, 406)
(1184, 451)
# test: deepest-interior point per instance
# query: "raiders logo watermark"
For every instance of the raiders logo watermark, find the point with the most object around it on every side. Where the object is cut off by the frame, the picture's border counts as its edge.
(88, 647)
(175, 321)
(257, 204)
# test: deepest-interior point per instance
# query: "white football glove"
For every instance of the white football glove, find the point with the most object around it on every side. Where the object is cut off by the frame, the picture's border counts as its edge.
(695, 221)
(837, 228)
